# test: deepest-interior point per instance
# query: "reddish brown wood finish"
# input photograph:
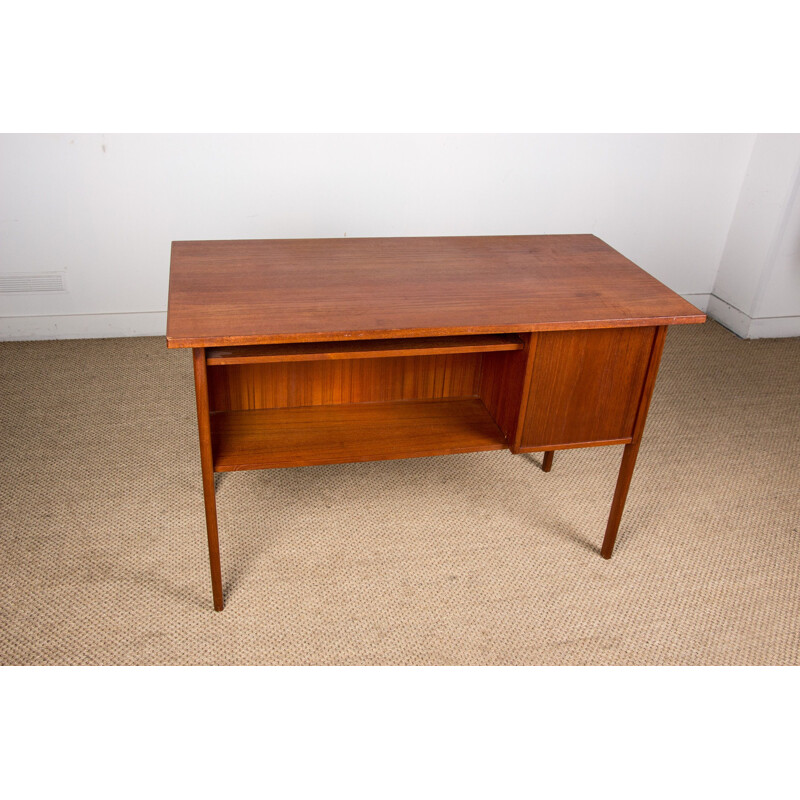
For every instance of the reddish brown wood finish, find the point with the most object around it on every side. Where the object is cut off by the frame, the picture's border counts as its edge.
(341, 350)
(522, 411)
(241, 387)
(207, 466)
(503, 378)
(586, 386)
(291, 437)
(629, 455)
(574, 445)
(379, 348)
(301, 290)
(632, 450)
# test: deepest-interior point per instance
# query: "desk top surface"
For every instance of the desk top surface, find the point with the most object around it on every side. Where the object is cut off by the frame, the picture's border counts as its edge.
(296, 290)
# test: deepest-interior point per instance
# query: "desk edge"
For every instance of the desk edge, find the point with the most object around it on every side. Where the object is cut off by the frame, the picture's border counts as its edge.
(174, 342)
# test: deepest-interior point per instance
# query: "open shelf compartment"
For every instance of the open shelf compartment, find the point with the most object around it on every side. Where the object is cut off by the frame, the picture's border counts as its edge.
(334, 434)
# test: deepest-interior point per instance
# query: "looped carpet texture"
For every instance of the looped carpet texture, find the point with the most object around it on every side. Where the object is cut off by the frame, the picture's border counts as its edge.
(465, 559)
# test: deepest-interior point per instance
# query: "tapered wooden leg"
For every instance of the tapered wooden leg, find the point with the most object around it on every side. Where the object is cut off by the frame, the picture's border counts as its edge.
(213, 539)
(632, 449)
(620, 495)
(547, 461)
(207, 464)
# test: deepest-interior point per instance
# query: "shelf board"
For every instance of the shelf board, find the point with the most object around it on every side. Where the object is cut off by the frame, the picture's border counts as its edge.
(306, 435)
(371, 348)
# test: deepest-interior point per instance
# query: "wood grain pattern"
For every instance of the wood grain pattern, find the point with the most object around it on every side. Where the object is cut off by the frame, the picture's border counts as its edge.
(313, 383)
(574, 445)
(525, 393)
(290, 437)
(586, 386)
(503, 378)
(296, 290)
(379, 348)
(342, 350)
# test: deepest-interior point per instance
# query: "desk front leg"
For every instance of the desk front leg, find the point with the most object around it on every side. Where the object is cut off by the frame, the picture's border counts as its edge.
(207, 465)
(632, 450)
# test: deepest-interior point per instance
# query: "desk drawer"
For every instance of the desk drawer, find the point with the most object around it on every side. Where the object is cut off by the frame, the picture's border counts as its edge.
(585, 386)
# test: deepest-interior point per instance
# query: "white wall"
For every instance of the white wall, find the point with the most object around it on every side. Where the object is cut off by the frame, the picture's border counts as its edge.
(757, 290)
(780, 295)
(104, 208)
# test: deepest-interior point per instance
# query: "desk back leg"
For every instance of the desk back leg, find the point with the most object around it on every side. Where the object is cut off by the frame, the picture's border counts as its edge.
(547, 460)
(632, 449)
(207, 465)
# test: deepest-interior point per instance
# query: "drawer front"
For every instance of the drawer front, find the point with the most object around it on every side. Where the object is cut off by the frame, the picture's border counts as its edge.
(585, 386)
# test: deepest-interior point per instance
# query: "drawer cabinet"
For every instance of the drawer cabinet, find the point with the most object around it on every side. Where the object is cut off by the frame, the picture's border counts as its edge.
(585, 387)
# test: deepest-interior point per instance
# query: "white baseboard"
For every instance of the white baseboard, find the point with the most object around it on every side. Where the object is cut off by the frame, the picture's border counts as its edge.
(729, 316)
(751, 327)
(774, 327)
(83, 326)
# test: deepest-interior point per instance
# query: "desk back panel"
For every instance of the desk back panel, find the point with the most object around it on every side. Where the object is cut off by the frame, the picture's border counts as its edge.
(585, 386)
(244, 387)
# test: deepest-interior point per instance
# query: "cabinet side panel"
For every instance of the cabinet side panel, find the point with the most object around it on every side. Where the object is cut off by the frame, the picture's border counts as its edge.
(586, 386)
(243, 387)
(501, 387)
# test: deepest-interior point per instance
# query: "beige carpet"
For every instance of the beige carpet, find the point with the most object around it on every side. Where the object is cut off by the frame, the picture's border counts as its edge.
(465, 559)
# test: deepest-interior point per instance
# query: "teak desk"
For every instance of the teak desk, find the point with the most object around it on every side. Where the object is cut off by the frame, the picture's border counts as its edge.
(323, 351)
